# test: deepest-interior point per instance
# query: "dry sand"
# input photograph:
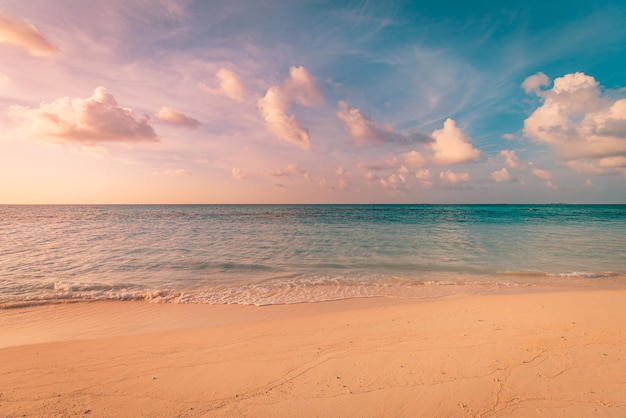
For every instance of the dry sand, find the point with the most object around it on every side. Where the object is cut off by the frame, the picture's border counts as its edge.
(544, 354)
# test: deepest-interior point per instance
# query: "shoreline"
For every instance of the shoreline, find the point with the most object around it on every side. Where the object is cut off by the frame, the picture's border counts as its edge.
(554, 353)
(268, 294)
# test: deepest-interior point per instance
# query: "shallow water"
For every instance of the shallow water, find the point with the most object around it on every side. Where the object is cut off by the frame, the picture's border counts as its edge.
(272, 254)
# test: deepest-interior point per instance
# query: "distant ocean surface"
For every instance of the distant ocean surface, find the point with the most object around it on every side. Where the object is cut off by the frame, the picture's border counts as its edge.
(279, 254)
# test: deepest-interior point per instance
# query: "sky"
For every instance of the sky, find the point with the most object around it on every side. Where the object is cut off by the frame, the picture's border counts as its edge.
(275, 101)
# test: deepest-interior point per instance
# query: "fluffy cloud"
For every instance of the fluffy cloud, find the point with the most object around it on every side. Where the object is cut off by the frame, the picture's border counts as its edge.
(414, 159)
(502, 176)
(540, 173)
(289, 171)
(451, 145)
(362, 128)
(425, 175)
(369, 176)
(395, 182)
(580, 123)
(514, 163)
(448, 146)
(92, 120)
(366, 131)
(454, 177)
(230, 85)
(239, 174)
(300, 88)
(22, 33)
(174, 117)
(425, 178)
(535, 82)
(512, 160)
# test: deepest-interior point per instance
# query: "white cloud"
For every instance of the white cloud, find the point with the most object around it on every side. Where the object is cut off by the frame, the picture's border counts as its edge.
(597, 167)
(366, 131)
(300, 88)
(230, 85)
(395, 182)
(612, 162)
(425, 174)
(239, 174)
(454, 177)
(512, 160)
(369, 176)
(451, 145)
(508, 137)
(580, 123)
(289, 171)
(502, 176)
(174, 117)
(25, 35)
(92, 120)
(362, 128)
(540, 173)
(414, 159)
(425, 178)
(534, 82)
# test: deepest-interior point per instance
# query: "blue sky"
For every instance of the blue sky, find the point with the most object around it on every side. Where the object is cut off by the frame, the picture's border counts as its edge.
(312, 102)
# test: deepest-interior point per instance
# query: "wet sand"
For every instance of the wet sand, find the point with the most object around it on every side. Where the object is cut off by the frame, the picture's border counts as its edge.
(526, 355)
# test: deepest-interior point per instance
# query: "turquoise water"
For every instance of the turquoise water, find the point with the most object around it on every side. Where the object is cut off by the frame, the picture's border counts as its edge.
(274, 254)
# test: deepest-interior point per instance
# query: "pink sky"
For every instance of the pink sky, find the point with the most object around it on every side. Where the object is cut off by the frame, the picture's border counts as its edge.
(186, 102)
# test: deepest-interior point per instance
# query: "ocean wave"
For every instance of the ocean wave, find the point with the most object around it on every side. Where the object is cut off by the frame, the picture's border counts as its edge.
(586, 274)
(309, 289)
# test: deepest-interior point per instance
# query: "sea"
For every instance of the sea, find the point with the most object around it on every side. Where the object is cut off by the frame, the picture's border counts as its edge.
(284, 254)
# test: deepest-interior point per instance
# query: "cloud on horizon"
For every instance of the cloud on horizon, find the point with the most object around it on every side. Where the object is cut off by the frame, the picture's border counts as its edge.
(24, 34)
(454, 177)
(95, 119)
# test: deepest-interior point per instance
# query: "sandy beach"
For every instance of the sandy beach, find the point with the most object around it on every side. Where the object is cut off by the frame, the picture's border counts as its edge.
(524, 355)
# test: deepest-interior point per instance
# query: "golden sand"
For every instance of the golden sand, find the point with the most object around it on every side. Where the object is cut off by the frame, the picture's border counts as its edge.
(527, 355)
